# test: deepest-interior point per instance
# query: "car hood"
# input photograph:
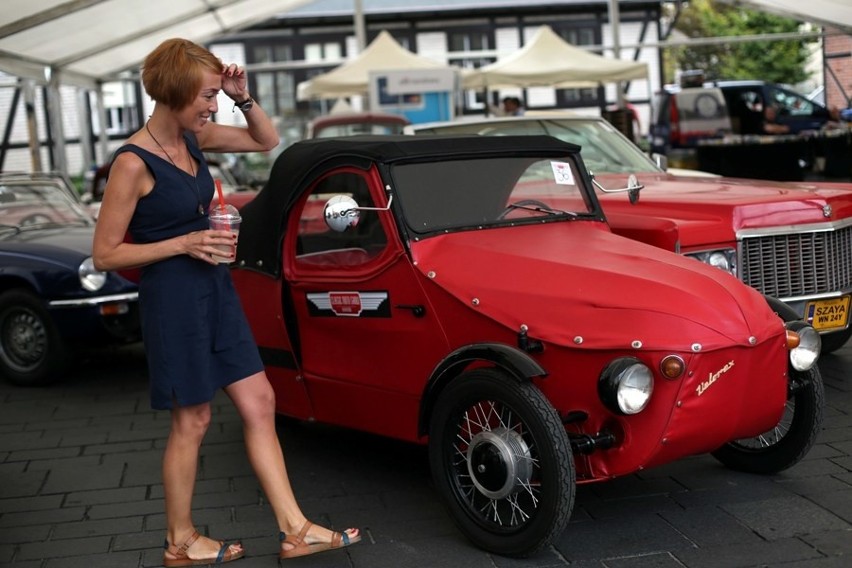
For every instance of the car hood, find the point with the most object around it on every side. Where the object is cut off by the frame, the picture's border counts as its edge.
(69, 245)
(575, 283)
(725, 206)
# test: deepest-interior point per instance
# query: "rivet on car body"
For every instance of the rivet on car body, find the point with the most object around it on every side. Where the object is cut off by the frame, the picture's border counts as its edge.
(664, 441)
(578, 340)
(752, 340)
(696, 347)
(475, 301)
(679, 403)
(636, 344)
(430, 274)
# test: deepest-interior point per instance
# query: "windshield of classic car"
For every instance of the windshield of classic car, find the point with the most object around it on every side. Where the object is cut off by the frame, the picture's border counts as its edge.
(603, 148)
(476, 193)
(28, 206)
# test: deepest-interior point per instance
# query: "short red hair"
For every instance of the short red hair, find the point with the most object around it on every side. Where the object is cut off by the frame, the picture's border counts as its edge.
(171, 74)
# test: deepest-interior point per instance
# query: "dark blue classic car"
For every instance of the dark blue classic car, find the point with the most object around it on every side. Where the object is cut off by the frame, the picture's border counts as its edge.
(52, 300)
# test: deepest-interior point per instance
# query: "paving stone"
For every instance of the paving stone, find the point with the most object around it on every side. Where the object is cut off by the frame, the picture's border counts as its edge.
(111, 560)
(777, 553)
(616, 537)
(102, 496)
(70, 547)
(83, 478)
(785, 517)
(90, 528)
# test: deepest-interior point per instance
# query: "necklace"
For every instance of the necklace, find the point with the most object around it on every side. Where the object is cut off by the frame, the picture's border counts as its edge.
(191, 169)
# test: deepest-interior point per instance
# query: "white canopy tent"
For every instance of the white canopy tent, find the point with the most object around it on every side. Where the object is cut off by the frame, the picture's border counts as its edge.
(89, 41)
(353, 77)
(549, 61)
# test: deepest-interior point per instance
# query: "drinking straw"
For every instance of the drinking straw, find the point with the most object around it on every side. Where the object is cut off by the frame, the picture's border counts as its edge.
(219, 191)
(221, 200)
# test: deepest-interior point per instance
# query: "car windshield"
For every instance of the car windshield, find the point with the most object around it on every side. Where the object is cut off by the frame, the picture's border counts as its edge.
(25, 206)
(477, 193)
(603, 148)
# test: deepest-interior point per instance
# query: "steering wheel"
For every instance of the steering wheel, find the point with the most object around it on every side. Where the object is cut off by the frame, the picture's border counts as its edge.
(521, 204)
(35, 219)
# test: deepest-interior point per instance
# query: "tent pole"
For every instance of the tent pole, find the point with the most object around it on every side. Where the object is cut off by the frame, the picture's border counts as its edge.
(614, 21)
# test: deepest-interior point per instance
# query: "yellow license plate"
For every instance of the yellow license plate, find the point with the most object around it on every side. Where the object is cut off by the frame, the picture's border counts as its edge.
(828, 314)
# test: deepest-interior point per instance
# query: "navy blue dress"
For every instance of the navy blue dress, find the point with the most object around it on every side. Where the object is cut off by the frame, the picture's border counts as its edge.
(196, 336)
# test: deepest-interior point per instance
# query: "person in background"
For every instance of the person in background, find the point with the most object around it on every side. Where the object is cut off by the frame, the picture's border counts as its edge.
(197, 339)
(770, 121)
(512, 106)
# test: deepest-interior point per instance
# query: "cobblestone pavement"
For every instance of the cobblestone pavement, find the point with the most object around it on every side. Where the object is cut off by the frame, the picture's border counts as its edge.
(80, 487)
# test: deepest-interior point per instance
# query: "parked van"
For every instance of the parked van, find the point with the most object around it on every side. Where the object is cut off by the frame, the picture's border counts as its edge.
(683, 116)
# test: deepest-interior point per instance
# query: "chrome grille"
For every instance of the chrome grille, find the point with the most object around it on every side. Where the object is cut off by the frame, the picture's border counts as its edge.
(798, 264)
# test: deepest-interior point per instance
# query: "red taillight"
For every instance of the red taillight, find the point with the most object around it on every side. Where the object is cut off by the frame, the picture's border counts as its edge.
(674, 121)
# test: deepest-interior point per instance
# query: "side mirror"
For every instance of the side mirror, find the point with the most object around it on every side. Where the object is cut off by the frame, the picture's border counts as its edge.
(341, 212)
(661, 160)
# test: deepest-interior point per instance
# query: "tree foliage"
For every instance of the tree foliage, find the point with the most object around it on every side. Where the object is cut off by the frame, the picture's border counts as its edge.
(776, 61)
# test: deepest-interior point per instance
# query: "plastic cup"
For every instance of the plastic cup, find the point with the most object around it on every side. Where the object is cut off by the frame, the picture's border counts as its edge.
(225, 218)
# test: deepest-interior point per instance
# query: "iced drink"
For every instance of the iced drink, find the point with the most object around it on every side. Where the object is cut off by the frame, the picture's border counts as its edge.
(225, 218)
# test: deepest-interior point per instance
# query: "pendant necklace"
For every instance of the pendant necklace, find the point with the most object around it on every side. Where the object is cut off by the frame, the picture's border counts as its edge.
(191, 169)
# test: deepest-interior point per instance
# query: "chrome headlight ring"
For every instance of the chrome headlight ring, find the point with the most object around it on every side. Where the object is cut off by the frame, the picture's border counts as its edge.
(723, 259)
(625, 386)
(805, 354)
(90, 278)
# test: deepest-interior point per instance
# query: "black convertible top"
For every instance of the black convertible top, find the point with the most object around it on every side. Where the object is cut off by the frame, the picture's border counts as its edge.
(298, 166)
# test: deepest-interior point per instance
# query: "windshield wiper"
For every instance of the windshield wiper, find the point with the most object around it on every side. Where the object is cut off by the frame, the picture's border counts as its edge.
(529, 205)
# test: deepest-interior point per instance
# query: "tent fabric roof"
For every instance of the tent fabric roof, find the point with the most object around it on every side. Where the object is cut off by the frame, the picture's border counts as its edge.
(548, 60)
(352, 77)
(94, 40)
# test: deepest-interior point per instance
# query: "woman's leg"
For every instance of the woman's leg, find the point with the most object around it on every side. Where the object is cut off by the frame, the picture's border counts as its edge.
(255, 401)
(180, 467)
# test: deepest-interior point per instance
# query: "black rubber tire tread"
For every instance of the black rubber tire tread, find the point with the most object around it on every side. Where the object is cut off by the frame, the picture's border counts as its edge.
(833, 341)
(804, 428)
(536, 412)
(56, 356)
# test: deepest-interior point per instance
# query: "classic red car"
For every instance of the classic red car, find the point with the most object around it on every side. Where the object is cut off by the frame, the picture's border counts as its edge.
(467, 293)
(791, 241)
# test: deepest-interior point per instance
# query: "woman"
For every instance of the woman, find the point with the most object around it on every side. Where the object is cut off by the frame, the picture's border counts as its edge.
(196, 337)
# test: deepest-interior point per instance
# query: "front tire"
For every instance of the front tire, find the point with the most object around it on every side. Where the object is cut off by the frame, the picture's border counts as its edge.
(791, 439)
(31, 350)
(833, 341)
(502, 462)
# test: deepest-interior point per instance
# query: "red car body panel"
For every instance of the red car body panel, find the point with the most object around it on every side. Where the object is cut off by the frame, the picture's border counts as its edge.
(709, 210)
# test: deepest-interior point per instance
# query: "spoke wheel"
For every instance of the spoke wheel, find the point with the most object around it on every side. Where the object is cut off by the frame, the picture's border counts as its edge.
(790, 440)
(502, 462)
(31, 351)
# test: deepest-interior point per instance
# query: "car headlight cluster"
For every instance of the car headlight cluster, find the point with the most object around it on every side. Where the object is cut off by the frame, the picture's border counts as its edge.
(625, 385)
(724, 259)
(90, 278)
(804, 345)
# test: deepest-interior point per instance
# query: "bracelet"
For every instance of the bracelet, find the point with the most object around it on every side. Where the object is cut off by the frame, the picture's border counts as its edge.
(244, 106)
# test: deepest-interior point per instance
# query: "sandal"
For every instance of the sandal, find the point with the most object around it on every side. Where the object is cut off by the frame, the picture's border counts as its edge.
(302, 548)
(225, 554)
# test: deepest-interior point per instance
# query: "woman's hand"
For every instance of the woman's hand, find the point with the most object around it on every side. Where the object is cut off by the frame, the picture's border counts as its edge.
(203, 245)
(234, 82)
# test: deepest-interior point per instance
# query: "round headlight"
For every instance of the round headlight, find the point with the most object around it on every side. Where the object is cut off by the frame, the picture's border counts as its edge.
(723, 259)
(719, 260)
(91, 279)
(805, 355)
(625, 386)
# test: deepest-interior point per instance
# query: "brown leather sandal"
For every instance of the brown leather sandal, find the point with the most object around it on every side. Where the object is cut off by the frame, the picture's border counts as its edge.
(226, 554)
(302, 548)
